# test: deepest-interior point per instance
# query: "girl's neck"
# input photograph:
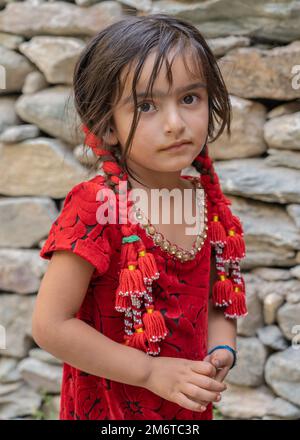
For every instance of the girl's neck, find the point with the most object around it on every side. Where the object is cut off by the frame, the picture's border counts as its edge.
(155, 180)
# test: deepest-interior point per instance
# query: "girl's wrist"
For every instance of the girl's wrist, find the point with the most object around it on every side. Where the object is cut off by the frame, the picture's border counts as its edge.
(225, 347)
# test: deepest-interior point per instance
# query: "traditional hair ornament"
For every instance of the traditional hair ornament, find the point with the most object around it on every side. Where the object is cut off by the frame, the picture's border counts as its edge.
(226, 235)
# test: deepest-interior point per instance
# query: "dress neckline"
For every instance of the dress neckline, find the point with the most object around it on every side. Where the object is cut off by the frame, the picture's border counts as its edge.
(172, 249)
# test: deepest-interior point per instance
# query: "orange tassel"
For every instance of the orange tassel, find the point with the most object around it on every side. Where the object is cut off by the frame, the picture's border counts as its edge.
(222, 291)
(217, 231)
(235, 246)
(238, 306)
(138, 339)
(153, 348)
(147, 266)
(131, 281)
(122, 303)
(154, 324)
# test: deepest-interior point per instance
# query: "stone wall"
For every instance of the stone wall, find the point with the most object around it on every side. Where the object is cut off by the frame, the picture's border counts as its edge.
(257, 44)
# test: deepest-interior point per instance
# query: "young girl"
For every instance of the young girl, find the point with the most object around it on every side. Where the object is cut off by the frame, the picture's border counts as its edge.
(140, 312)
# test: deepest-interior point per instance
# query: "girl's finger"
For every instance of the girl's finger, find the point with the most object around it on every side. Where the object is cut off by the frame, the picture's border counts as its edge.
(190, 404)
(221, 374)
(207, 383)
(198, 394)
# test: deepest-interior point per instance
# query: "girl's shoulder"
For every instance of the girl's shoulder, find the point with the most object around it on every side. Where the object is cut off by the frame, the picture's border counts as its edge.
(78, 228)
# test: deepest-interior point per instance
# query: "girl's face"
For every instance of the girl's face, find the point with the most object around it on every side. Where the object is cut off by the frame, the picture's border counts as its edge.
(180, 115)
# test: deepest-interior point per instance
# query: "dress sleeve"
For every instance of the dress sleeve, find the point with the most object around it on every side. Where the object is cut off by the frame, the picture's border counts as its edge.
(77, 230)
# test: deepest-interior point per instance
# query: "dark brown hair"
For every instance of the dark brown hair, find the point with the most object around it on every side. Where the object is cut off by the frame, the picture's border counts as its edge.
(126, 44)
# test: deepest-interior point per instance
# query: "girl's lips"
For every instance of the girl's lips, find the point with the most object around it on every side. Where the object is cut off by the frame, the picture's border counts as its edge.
(177, 147)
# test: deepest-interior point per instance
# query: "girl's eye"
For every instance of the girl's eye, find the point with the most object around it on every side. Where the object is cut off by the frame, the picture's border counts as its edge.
(143, 104)
(146, 103)
(192, 95)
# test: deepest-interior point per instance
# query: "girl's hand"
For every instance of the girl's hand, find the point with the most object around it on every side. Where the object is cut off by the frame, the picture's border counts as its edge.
(222, 360)
(188, 383)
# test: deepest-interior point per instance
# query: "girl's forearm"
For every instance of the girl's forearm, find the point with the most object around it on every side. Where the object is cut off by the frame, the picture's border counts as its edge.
(221, 330)
(80, 345)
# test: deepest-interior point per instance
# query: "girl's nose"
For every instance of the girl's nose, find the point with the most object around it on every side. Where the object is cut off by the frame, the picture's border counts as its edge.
(173, 121)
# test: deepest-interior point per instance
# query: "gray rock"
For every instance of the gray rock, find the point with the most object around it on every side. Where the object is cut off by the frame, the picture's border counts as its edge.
(34, 82)
(8, 370)
(139, 5)
(277, 158)
(84, 155)
(295, 271)
(19, 133)
(240, 402)
(284, 109)
(41, 376)
(284, 131)
(44, 356)
(272, 337)
(8, 116)
(247, 132)
(288, 317)
(16, 316)
(25, 220)
(24, 401)
(45, 166)
(272, 302)
(272, 274)
(282, 373)
(217, 18)
(294, 212)
(281, 409)
(246, 372)
(21, 270)
(266, 224)
(220, 46)
(263, 255)
(10, 41)
(271, 77)
(282, 288)
(16, 68)
(254, 179)
(254, 320)
(52, 110)
(58, 18)
(54, 56)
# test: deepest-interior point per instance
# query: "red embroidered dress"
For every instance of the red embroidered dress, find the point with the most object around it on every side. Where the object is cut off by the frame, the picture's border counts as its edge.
(180, 293)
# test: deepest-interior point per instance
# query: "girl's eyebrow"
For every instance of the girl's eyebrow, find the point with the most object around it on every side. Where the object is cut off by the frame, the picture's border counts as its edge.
(160, 94)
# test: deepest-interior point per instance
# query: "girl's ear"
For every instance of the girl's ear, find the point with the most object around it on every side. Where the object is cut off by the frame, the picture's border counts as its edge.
(110, 137)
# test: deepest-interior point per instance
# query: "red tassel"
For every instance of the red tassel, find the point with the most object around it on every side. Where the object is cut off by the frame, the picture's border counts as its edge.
(238, 306)
(238, 225)
(153, 348)
(138, 339)
(222, 291)
(122, 303)
(217, 231)
(131, 281)
(147, 266)
(154, 324)
(235, 246)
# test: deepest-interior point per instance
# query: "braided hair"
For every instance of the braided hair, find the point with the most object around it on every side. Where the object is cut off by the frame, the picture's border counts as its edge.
(145, 330)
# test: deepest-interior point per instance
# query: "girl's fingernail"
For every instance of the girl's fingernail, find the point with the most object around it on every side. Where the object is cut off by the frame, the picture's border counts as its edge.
(219, 397)
(203, 408)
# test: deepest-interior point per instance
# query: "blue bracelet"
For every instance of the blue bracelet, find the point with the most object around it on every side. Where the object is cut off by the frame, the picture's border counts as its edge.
(226, 347)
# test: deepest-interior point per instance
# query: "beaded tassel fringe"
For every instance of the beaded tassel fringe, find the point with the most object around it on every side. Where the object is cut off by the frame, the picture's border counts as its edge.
(226, 235)
(143, 330)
